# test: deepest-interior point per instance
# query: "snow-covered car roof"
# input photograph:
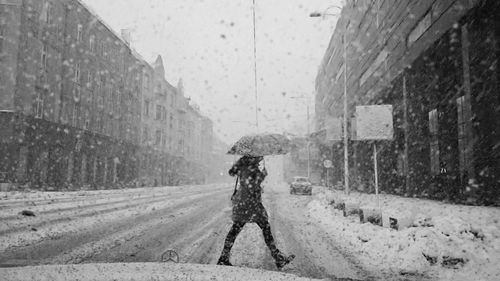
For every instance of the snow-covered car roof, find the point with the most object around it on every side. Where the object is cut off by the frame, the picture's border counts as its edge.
(142, 272)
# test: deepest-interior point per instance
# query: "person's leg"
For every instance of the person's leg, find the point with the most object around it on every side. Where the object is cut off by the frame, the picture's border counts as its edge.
(228, 243)
(268, 236)
(280, 259)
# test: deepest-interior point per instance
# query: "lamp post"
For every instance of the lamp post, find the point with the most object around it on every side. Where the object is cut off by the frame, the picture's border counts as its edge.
(346, 138)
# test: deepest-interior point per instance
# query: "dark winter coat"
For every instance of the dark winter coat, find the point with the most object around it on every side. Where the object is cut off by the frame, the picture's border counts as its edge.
(247, 201)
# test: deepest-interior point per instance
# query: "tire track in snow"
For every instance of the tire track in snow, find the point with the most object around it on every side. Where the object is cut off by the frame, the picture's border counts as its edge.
(151, 244)
(84, 211)
(42, 251)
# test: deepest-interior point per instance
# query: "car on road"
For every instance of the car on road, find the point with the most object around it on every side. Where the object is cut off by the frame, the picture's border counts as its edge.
(301, 185)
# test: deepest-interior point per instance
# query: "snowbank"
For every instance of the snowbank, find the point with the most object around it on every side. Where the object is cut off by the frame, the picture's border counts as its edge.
(142, 271)
(447, 242)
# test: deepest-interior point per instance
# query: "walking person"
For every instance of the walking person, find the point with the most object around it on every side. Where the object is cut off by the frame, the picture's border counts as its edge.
(248, 208)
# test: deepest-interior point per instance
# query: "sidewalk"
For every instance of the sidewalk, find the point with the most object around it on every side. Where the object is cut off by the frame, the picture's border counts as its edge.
(437, 240)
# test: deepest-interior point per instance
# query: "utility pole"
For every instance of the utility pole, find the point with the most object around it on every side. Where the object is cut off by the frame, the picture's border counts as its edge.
(255, 70)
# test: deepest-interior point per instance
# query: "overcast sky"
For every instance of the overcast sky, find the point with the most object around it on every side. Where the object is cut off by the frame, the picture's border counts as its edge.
(209, 44)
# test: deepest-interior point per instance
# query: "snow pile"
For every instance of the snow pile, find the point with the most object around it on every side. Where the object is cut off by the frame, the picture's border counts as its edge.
(450, 242)
(142, 271)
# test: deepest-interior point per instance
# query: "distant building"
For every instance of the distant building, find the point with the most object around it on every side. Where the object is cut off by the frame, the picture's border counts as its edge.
(78, 107)
(220, 161)
(300, 159)
(437, 63)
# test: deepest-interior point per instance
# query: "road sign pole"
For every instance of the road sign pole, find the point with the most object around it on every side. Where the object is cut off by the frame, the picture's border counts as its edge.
(327, 164)
(326, 177)
(375, 165)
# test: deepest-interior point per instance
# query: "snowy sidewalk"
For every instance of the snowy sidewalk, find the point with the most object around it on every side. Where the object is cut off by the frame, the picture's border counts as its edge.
(442, 241)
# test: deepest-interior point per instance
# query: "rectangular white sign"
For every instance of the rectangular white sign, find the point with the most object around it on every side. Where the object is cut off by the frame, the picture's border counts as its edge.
(374, 122)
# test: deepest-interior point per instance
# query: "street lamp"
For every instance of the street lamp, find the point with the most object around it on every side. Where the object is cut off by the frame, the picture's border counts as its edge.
(346, 138)
(325, 12)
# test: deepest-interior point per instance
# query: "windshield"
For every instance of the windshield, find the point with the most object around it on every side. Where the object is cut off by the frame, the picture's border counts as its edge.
(301, 179)
(155, 131)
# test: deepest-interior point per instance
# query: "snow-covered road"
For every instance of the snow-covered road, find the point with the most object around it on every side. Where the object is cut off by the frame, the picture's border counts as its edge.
(138, 225)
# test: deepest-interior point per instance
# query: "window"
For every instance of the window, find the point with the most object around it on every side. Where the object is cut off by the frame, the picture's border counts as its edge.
(90, 77)
(105, 48)
(163, 139)
(79, 31)
(76, 114)
(99, 94)
(101, 48)
(39, 105)
(158, 112)
(86, 125)
(113, 101)
(100, 124)
(146, 81)
(145, 134)
(434, 141)
(78, 93)
(43, 57)
(2, 38)
(92, 44)
(110, 126)
(463, 143)
(48, 13)
(146, 108)
(103, 79)
(171, 123)
(77, 73)
(158, 137)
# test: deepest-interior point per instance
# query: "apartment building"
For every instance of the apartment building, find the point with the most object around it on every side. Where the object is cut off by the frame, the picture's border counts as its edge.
(79, 107)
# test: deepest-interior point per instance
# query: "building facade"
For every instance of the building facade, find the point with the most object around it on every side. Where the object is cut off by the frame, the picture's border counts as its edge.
(436, 62)
(79, 107)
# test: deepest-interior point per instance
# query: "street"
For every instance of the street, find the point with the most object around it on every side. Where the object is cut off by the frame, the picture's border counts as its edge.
(139, 225)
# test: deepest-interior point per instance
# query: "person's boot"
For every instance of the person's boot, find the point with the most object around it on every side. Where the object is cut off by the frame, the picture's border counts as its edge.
(224, 260)
(282, 260)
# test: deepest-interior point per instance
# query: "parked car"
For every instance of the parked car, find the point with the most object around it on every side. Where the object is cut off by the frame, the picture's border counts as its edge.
(300, 185)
